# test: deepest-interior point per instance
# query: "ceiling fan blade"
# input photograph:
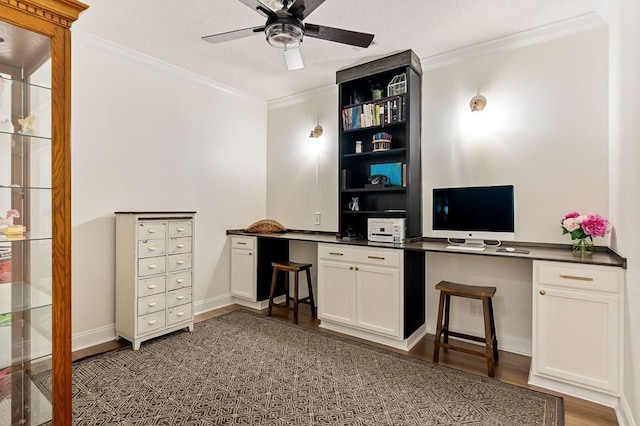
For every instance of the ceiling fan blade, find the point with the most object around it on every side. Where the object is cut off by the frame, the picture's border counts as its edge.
(353, 38)
(303, 8)
(232, 35)
(259, 7)
(293, 59)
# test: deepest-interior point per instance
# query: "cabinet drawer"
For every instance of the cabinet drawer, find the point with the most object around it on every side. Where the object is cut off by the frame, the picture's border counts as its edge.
(151, 266)
(180, 245)
(179, 297)
(179, 314)
(151, 322)
(152, 229)
(585, 277)
(181, 228)
(380, 257)
(150, 248)
(151, 286)
(179, 280)
(149, 304)
(178, 262)
(247, 243)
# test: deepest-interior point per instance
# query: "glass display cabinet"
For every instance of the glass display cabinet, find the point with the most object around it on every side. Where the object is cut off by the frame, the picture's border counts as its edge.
(35, 206)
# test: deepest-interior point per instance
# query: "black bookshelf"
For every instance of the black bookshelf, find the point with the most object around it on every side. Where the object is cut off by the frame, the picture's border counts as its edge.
(362, 118)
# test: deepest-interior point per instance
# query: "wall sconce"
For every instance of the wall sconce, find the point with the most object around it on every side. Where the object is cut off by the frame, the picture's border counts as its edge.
(478, 103)
(316, 132)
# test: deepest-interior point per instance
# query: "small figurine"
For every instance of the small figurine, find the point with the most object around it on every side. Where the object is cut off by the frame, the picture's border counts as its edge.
(9, 219)
(354, 205)
(27, 124)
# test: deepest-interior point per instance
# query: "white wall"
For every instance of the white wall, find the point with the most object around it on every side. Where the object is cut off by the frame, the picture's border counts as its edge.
(547, 114)
(149, 137)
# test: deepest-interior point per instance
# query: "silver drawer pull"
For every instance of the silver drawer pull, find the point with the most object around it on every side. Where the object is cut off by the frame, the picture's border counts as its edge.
(180, 229)
(180, 280)
(180, 314)
(152, 304)
(151, 286)
(152, 266)
(152, 230)
(152, 248)
(180, 245)
(240, 243)
(576, 277)
(376, 257)
(179, 262)
(335, 253)
(180, 297)
(150, 322)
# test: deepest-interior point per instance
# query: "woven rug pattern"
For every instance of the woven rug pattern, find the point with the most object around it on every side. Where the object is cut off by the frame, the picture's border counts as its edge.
(244, 368)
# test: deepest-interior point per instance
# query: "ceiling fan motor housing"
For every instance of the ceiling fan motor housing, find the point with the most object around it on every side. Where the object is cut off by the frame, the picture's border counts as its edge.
(284, 31)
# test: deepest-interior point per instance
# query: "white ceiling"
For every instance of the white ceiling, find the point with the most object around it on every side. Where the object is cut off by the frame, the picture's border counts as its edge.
(171, 31)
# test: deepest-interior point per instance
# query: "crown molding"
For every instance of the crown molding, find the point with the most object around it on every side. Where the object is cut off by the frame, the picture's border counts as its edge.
(556, 30)
(60, 12)
(91, 41)
(297, 98)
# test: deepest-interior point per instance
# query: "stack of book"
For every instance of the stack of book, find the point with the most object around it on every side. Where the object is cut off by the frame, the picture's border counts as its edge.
(379, 113)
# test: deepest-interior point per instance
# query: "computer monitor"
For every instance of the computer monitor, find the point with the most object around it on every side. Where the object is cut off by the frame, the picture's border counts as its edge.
(474, 213)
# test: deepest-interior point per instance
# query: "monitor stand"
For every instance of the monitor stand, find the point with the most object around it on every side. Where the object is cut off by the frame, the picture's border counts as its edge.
(469, 244)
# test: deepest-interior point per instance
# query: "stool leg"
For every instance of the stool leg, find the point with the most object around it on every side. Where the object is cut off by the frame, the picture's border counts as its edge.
(309, 284)
(436, 339)
(447, 309)
(295, 298)
(487, 335)
(286, 287)
(493, 332)
(274, 280)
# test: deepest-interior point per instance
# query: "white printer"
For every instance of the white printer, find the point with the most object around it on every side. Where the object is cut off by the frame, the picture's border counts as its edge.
(386, 230)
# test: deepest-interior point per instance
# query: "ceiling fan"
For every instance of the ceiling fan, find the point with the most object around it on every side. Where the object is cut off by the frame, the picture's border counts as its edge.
(284, 29)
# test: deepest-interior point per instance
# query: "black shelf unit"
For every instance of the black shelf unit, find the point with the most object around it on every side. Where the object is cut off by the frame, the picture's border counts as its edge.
(360, 118)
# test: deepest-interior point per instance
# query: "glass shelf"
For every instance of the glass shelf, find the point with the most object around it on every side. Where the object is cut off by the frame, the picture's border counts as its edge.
(5, 133)
(39, 409)
(21, 296)
(35, 345)
(37, 96)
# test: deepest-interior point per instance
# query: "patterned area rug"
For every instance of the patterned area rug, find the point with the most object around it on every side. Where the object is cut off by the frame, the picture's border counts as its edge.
(244, 368)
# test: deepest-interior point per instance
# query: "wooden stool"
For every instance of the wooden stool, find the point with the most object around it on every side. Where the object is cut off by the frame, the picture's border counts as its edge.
(287, 267)
(485, 294)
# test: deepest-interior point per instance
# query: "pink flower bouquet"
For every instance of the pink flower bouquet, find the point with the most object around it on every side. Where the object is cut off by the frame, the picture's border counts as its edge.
(582, 226)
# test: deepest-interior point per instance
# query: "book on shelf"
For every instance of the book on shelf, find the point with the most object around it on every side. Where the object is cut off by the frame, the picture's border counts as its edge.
(378, 113)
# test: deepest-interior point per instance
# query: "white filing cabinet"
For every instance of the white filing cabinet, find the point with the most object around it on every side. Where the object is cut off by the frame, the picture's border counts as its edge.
(154, 274)
(577, 329)
(361, 288)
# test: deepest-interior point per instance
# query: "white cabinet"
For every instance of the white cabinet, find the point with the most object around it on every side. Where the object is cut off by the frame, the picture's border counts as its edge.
(361, 288)
(154, 274)
(577, 329)
(243, 267)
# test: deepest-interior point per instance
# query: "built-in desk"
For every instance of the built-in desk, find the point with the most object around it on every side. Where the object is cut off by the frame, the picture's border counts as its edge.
(376, 291)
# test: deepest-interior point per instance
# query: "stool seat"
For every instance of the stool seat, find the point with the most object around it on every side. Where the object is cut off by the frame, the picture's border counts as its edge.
(296, 268)
(441, 339)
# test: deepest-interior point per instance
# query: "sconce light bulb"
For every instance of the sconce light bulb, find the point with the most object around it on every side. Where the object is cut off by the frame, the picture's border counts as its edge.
(478, 103)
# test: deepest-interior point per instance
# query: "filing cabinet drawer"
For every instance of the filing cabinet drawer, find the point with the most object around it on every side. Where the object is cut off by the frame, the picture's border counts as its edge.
(246, 243)
(178, 280)
(151, 322)
(180, 229)
(151, 266)
(149, 304)
(149, 286)
(151, 248)
(179, 314)
(178, 262)
(179, 297)
(180, 245)
(152, 229)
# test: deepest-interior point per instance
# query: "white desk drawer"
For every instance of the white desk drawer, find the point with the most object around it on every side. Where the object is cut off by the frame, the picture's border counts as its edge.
(180, 245)
(151, 266)
(152, 229)
(178, 280)
(149, 304)
(246, 243)
(151, 286)
(150, 248)
(180, 228)
(151, 322)
(179, 314)
(370, 256)
(179, 297)
(178, 262)
(585, 277)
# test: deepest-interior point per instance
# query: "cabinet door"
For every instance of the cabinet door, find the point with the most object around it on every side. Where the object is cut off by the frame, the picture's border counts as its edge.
(576, 336)
(336, 292)
(243, 273)
(378, 299)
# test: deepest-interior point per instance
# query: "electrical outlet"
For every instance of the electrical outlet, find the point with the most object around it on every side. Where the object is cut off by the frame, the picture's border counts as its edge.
(475, 308)
(316, 218)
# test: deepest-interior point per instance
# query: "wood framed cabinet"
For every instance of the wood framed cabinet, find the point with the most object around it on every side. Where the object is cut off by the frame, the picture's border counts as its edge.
(578, 330)
(364, 292)
(154, 274)
(35, 210)
(379, 116)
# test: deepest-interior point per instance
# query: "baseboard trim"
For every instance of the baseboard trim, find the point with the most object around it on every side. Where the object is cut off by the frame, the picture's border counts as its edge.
(404, 345)
(623, 413)
(212, 303)
(93, 337)
(505, 343)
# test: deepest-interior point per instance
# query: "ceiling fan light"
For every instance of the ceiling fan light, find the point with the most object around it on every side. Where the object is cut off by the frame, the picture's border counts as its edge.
(284, 36)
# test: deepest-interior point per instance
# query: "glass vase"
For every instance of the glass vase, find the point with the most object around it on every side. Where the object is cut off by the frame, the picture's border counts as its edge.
(583, 246)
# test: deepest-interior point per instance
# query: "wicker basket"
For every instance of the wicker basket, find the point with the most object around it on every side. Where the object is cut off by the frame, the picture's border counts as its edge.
(265, 226)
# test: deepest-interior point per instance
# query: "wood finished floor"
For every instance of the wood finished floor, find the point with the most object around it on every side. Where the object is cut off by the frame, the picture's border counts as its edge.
(512, 368)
